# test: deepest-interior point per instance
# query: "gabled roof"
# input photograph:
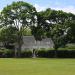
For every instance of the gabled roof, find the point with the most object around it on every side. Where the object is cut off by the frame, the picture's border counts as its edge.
(30, 42)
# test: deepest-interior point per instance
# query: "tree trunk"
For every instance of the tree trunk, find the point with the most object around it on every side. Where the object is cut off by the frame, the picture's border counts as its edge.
(19, 42)
(55, 53)
(34, 53)
(19, 50)
(15, 52)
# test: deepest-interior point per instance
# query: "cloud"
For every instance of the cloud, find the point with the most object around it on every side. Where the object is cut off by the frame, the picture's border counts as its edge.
(66, 8)
(39, 8)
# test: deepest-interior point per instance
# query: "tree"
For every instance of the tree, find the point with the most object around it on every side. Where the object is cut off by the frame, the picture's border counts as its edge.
(8, 36)
(70, 31)
(58, 35)
(37, 32)
(53, 23)
(18, 14)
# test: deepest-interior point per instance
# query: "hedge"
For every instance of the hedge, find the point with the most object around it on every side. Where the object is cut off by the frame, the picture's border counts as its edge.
(6, 53)
(26, 54)
(60, 54)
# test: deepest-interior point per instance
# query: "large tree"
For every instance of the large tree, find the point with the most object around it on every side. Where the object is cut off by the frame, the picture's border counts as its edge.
(37, 30)
(53, 23)
(18, 14)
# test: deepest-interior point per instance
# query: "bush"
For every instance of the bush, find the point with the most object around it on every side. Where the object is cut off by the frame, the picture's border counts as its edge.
(50, 53)
(63, 54)
(6, 53)
(72, 54)
(1, 53)
(26, 53)
(63, 49)
(66, 54)
(42, 53)
(46, 53)
(60, 53)
(70, 46)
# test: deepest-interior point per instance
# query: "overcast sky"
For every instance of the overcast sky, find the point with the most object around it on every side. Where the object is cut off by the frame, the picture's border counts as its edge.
(65, 5)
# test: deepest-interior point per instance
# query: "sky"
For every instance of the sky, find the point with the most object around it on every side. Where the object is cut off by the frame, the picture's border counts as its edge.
(65, 5)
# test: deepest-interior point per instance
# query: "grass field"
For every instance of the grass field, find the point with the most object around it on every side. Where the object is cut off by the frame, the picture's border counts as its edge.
(37, 66)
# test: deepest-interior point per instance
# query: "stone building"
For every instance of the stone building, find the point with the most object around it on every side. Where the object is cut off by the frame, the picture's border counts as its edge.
(29, 42)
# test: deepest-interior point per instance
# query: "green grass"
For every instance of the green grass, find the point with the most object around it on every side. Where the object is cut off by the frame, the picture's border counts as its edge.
(37, 66)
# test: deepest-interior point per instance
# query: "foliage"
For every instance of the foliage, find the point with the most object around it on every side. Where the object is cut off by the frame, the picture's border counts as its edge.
(70, 31)
(26, 54)
(58, 36)
(53, 24)
(27, 32)
(37, 32)
(62, 53)
(19, 14)
(42, 53)
(58, 25)
(6, 53)
(8, 35)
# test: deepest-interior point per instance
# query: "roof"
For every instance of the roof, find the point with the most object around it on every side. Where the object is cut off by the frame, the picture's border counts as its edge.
(30, 42)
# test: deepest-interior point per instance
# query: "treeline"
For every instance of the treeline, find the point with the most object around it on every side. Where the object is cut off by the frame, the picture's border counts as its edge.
(14, 18)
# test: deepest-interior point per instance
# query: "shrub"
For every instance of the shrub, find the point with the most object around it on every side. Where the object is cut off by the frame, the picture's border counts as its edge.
(6, 53)
(62, 53)
(66, 54)
(50, 53)
(70, 46)
(26, 53)
(1, 53)
(72, 54)
(42, 53)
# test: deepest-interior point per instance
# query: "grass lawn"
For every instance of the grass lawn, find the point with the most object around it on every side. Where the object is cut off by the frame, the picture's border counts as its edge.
(37, 66)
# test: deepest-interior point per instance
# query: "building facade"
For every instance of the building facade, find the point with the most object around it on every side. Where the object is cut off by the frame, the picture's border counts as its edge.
(29, 42)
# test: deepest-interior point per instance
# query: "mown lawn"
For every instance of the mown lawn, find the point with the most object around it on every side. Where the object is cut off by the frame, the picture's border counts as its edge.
(37, 66)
